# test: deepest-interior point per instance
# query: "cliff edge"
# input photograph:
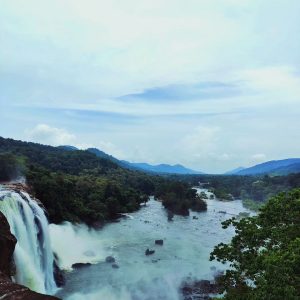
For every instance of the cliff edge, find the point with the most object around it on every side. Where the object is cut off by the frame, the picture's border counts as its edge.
(8, 289)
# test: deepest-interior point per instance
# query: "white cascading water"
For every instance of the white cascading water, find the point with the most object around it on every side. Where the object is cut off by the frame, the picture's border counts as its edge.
(33, 255)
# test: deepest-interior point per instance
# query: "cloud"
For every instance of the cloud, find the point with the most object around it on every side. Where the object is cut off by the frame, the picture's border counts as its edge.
(259, 157)
(205, 83)
(45, 134)
(110, 148)
(201, 142)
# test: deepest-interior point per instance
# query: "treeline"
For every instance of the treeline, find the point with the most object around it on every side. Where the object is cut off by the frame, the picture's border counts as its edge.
(178, 198)
(78, 186)
(256, 188)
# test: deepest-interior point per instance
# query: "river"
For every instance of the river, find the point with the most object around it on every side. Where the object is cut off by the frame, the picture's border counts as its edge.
(185, 253)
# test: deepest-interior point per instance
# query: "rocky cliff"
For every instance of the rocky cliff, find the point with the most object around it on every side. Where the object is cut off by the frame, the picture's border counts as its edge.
(8, 289)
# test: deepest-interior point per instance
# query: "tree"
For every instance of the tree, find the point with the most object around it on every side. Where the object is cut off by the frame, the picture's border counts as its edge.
(11, 166)
(264, 255)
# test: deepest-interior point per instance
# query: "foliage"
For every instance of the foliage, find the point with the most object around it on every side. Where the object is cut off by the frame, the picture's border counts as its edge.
(264, 255)
(257, 188)
(179, 198)
(252, 205)
(79, 186)
(11, 166)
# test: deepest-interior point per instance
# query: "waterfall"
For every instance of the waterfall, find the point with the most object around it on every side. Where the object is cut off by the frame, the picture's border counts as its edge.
(33, 255)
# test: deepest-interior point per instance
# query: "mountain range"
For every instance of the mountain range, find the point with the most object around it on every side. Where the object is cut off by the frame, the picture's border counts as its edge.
(161, 168)
(274, 167)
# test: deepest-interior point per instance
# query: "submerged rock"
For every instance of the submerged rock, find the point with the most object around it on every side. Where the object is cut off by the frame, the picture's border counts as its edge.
(149, 252)
(159, 242)
(110, 259)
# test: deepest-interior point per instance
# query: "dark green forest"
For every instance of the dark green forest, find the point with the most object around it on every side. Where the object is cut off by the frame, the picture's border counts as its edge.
(79, 186)
(257, 188)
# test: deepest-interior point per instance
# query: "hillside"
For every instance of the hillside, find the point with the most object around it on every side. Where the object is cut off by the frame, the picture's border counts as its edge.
(159, 169)
(164, 168)
(79, 186)
(234, 171)
(276, 167)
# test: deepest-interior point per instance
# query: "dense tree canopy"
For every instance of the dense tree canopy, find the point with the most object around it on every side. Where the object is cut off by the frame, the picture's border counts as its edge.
(79, 186)
(264, 255)
(257, 188)
(11, 166)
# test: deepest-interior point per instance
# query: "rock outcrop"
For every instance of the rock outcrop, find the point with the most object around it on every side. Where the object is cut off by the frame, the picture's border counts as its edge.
(149, 252)
(159, 242)
(8, 289)
(7, 246)
(201, 290)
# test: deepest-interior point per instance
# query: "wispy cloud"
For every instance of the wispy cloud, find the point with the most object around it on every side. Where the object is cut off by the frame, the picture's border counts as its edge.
(141, 76)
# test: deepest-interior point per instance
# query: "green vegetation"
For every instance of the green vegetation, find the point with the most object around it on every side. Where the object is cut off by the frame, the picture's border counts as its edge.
(256, 188)
(78, 186)
(264, 255)
(177, 197)
(252, 205)
(11, 166)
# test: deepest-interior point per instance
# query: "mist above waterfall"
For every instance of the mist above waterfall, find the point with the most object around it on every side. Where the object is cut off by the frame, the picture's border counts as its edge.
(75, 244)
(33, 255)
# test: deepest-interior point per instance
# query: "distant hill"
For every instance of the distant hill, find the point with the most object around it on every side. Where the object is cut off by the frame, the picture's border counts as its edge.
(68, 147)
(234, 171)
(161, 168)
(276, 167)
(102, 154)
(164, 168)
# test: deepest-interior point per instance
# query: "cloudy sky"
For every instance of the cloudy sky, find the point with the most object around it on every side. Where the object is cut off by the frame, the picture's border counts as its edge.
(211, 84)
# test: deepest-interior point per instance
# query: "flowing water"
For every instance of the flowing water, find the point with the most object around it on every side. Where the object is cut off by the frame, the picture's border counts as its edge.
(33, 255)
(185, 253)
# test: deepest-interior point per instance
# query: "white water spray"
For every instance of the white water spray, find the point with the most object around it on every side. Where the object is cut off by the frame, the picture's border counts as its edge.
(33, 254)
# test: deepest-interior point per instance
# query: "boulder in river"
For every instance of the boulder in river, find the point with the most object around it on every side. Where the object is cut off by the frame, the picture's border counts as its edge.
(170, 216)
(159, 242)
(200, 290)
(149, 252)
(195, 218)
(115, 266)
(110, 259)
(80, 265)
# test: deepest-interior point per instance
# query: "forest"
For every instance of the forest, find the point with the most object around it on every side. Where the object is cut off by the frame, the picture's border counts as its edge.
(78, 186)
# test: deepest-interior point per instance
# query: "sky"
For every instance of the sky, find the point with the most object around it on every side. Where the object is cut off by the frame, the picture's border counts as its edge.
(210, 84)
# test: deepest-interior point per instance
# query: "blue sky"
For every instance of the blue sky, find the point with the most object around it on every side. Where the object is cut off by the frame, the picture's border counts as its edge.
(211, 84)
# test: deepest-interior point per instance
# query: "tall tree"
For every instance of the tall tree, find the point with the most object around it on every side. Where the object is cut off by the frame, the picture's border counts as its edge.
(264, 255)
